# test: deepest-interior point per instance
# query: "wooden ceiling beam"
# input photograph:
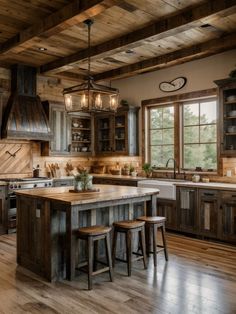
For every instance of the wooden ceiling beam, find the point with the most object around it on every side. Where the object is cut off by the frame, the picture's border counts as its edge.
(174, 58)
(71, 14)
(191, 17)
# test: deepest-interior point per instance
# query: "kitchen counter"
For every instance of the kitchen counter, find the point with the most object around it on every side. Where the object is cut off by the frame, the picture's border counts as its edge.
(2, 183)
(49, 217)
(210, 185)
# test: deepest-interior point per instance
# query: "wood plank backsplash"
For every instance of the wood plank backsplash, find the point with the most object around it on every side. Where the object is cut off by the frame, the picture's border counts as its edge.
(15, 158)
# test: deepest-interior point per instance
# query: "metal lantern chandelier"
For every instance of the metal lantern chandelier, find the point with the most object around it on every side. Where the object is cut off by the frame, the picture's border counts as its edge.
(89, 96)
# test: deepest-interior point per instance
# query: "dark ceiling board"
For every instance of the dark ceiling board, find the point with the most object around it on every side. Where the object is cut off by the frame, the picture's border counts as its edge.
(161, 29)
(71, 14)
(174, 58)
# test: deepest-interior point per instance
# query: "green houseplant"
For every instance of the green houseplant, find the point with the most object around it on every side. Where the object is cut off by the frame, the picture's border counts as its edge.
(83, 181)
(147, 168)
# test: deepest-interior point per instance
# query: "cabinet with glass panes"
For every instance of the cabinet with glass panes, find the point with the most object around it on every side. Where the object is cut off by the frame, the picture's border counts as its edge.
(227, 116)
(81, 134)
(117, 134)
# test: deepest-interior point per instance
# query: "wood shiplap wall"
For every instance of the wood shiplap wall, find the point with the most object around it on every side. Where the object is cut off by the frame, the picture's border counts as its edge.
(49, 88)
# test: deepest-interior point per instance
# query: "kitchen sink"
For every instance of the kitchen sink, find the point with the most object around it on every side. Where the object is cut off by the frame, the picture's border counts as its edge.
(167, 188)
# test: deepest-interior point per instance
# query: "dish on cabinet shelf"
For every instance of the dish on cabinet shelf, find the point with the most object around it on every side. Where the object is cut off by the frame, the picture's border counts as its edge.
(232, 129)
(231, 98)
(232, 113)
(75, 124)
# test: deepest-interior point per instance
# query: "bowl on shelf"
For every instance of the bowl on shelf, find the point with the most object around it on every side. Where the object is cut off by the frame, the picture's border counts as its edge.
(115, 171)
(231, 129)
(231, 98)
(84, 149)
(232, 113)
(75, 124)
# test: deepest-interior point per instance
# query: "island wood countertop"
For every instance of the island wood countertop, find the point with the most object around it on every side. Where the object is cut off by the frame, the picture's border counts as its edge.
(105, 193)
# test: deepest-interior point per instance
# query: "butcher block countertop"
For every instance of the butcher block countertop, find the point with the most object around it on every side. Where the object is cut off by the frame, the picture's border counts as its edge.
(105, 193)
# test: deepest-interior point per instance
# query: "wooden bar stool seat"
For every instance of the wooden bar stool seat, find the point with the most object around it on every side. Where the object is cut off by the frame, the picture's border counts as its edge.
(152, 224)
(92, 235)
(129, 227)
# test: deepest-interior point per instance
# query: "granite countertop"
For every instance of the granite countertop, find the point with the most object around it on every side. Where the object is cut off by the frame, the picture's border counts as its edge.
(105, 193)
(210, 185)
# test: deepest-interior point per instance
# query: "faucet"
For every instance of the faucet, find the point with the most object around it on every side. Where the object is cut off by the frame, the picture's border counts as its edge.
(174, 161)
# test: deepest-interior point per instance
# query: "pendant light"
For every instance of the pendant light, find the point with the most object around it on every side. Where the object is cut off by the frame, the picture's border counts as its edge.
(89, 96)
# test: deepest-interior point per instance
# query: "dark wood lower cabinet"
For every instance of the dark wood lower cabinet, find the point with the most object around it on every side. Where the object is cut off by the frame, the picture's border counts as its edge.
(167, 208)
(187, 209)
(228, 216)
(114, 181)
(209, 213)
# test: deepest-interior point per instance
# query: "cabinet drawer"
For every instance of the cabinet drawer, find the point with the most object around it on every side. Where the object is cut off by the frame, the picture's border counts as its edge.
(208, 193)
(230, 195)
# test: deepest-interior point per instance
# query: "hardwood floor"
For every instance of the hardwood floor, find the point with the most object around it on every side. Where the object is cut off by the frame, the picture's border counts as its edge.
(200, 277)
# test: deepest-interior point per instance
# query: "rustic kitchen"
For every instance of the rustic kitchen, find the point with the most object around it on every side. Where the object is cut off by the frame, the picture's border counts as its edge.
(118, 156)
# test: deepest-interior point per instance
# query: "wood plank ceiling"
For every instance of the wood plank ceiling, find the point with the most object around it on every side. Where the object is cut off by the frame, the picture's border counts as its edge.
(128, 37)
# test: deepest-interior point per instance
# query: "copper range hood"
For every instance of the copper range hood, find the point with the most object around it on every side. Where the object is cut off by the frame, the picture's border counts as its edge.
(24, 116)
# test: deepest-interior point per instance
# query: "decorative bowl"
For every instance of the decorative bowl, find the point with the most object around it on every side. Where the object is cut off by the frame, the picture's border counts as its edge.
(232, 113)
(75, 124)
(231, 98)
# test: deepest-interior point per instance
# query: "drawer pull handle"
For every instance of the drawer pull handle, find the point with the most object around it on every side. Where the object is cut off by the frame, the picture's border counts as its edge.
(209, 194)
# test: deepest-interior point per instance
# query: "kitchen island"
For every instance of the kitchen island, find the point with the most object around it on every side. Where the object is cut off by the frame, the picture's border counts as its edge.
(47, 219)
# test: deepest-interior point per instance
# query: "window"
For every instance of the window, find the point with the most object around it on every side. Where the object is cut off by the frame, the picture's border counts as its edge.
(161, 135)
(186, 131)
(199, 135)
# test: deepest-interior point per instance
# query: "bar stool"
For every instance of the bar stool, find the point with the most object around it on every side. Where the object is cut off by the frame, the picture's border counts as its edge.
(153, 223)
(129, 227)
(91, 235)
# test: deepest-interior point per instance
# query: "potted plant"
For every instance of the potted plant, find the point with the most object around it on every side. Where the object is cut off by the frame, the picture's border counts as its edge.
(147, 168)
(83, 181)
(132, 171)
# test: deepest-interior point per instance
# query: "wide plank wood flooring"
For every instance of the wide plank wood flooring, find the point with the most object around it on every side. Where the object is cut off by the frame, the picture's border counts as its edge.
(200, 277)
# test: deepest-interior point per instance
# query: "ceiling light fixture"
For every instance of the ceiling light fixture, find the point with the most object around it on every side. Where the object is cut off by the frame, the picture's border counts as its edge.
(89, 96)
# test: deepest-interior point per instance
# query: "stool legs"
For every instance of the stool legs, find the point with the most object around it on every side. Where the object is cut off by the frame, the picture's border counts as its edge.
(143, 247)
(90, 262)
(114, 240)
(129, 251)
(128, 240)
(108, 253)
(155, 245)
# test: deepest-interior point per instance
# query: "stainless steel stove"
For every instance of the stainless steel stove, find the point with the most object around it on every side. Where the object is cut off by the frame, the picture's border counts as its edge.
(28, 183)
(19, 184)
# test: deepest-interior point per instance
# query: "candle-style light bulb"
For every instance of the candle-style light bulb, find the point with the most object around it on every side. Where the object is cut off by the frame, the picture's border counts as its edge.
(84, 101)
(68, 102)
(98, 101)
(113, 103)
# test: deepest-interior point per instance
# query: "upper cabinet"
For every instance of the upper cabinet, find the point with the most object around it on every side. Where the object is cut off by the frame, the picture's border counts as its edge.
(81, 134)
(117, 134)
(60, 125)
(227, 116)
(72, 134)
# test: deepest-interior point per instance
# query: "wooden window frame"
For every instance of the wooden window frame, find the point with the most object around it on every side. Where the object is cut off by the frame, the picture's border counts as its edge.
(182, 126)
(174, 100)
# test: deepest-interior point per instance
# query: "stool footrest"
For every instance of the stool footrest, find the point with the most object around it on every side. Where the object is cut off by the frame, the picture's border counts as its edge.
(99, 271)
